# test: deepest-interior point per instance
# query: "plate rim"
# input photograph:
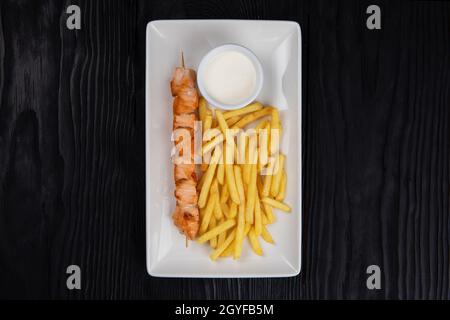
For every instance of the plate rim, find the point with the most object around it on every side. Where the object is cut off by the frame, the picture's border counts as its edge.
(298, 266)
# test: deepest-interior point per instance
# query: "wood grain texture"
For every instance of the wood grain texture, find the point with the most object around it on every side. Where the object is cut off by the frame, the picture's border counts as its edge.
(376, 116)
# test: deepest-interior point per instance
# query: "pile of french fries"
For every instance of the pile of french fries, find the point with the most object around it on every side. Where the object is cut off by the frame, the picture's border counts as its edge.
(244, 179)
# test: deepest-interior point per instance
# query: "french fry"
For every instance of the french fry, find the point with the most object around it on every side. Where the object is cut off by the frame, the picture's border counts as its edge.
(221, 248)
(263, 130)
(214, 190)
(213, 240)
(249, 118)
(261, 125)
(231, 121)
(228, 252)
(220, 173)
(239, 232)
(233, 209)
(230, 249)
(209, 174)
(259, 184)
(254, 243)
(269, 213)
(231, 183)
(258, 218)
(251, 195)
(267, 216)
(239, 183)
(281, 194)
(221, 169)
(208, 213)
(255, 106)
(269, 162)
(202, 109)
(276, 180)
(264, 219)
(218, 214)
(225, 210)
(207, 147)
(224, 193)
(214, 123)
(241, 148)
(214, 187)
(206, 126)
(207, 122)
(229, 172)
(221, 237)
(222, 123)
(253, 148)
(266, 235)
(202, 212)
(216, 231)
(266, 186)
(246, 167)
(268, 127)
(229, 137)
(263, 140)
(275, 131)
(275, 121)
(277, 204)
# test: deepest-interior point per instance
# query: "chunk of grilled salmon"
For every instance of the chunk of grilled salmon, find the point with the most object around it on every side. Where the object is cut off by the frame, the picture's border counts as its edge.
(182, 78)
(186, 192)
(184, 120)
(185, 172)
(186, 218)
(181, 144)
(186, 101)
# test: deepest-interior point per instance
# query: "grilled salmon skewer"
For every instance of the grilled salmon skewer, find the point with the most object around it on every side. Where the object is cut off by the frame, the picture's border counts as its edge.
(183, 87)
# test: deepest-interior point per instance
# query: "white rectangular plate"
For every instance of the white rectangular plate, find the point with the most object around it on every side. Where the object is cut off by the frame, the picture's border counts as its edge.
(278, 45)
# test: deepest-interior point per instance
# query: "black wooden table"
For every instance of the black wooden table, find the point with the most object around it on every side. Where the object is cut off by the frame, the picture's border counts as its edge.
(376, 110)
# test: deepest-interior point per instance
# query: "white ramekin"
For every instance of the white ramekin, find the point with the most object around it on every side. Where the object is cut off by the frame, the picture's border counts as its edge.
(230, 47)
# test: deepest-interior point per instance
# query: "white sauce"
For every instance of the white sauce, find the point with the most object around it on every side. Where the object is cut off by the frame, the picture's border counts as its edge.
(230, 77)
